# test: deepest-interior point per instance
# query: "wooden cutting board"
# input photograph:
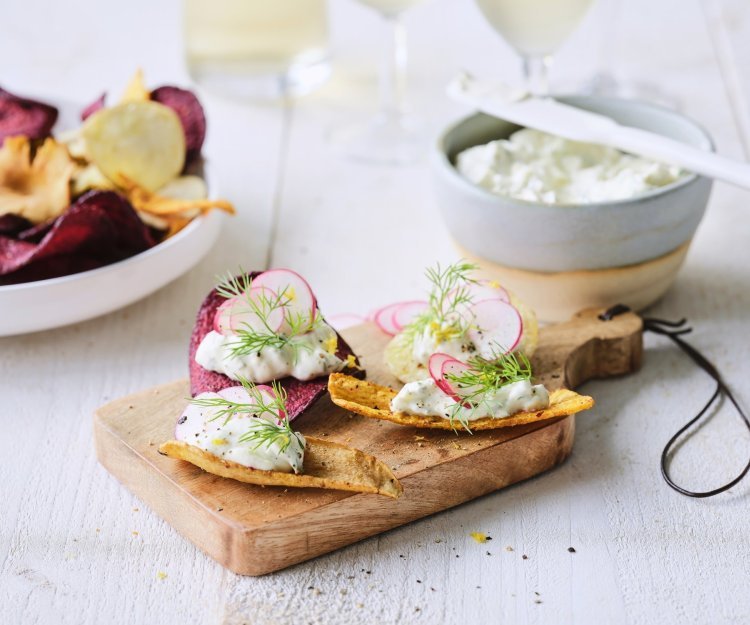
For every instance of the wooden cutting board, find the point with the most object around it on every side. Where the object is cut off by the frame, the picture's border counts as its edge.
(254, 530)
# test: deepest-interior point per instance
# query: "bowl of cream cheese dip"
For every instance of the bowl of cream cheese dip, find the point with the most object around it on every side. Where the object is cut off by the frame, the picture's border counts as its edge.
(569, 225)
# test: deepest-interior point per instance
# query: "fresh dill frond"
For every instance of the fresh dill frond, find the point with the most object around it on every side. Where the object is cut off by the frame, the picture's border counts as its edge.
(230, 285)
(448, 301)
(270, 418)
(483, 376)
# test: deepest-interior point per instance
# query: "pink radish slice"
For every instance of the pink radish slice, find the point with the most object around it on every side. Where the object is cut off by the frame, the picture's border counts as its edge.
(406, 313)
(193, 419)
(239, 395)
(235, 314)
(439, 366)
(383, 318)
(483, 290)
(497, 327)
(344, 320)
(300, 297)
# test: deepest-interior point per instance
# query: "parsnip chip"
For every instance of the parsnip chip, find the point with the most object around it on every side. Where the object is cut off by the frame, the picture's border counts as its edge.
(372, 400)
(177, 212)
(326, 465)
(37, 190)
(142, 141)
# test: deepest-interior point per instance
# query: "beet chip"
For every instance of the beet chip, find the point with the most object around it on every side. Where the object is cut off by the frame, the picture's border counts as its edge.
(190, 112)
(11, 225)
(300, 395)
(20, 116)
(99, 229)
(95, 106)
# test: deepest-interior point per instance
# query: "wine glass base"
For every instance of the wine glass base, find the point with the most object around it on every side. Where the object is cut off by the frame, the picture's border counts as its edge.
(250, 83)
(385, 140)
(606, 84)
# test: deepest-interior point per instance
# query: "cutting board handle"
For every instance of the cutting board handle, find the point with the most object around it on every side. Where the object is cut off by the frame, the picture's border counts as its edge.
(589, 347)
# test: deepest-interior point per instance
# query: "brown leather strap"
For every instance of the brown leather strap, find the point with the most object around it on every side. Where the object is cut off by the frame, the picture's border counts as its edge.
(674, 330)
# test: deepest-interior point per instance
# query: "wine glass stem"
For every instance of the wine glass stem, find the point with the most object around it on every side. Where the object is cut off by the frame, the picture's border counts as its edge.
(536, 74)
(393, 76)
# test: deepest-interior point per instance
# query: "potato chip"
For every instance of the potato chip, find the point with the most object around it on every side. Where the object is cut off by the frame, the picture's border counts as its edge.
(37, 190)
(372, 400)
(185, 188)
(87, 177)
(326, 465)
(140, 141)
(136, 90)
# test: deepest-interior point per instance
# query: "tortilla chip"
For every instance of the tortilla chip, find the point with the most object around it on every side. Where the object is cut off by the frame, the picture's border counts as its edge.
(372, 400)
(37, 190)
(326, 464)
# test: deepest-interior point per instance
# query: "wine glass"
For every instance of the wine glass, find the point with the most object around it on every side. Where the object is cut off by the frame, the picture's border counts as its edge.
(392, 136)
(536, 29)
(257, 49)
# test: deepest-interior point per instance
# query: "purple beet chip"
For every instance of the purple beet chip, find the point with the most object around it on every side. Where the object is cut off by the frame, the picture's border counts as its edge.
(96, 105)
(11, 225)
(99, 229)
(189, 110)
(21, 116)
(300, 395)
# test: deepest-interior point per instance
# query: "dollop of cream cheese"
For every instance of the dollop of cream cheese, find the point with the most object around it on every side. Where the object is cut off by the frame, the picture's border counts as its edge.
(538, 167)
(313, 355)
(197, 426)
(425, 398)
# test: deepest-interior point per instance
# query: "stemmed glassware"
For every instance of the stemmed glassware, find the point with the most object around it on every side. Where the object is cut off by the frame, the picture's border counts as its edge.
(536, 29)
(392, 136)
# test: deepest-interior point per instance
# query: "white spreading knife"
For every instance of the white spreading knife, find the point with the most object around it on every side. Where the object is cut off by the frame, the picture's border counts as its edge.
(577, 124)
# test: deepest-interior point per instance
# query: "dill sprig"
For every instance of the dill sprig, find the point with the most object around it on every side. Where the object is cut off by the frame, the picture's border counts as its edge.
(250, 340)
(267, 427)
(483, 376)
(448, 301)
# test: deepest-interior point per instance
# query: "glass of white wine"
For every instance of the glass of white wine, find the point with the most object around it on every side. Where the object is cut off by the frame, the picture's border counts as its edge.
(536, 29)
(257, 49)
(392, 136)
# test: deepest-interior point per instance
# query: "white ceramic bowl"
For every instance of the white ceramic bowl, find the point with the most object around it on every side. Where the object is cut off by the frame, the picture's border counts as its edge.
(518, 241)
(46, 304)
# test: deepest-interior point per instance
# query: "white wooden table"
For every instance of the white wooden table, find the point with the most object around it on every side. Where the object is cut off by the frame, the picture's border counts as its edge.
(76, 547)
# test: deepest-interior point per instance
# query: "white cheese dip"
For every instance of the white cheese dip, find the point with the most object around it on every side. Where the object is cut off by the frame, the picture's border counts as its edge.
(195, 427)
(538, 167)
(313, 355)
(424, 398)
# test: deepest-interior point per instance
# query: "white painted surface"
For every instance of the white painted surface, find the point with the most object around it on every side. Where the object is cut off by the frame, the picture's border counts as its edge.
(644, 554)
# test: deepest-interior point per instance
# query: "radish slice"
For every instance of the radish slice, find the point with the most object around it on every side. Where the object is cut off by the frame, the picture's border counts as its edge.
(239, 395)
(497, 327)
(235, 314)
(439, 366)
(488, 289)
(193, 419)
(299, 296)
(406, 313)
(383, 318)
(482, 290)
(344, 320)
